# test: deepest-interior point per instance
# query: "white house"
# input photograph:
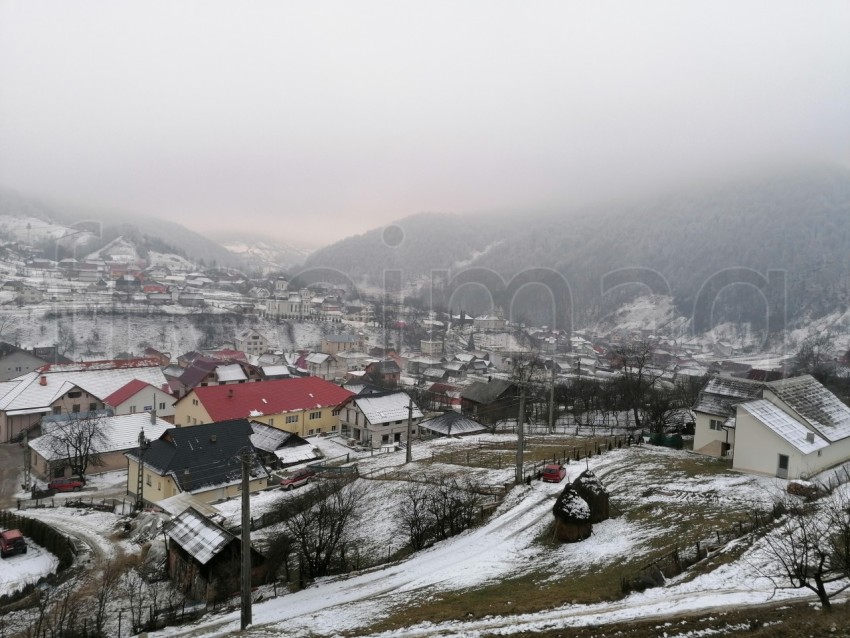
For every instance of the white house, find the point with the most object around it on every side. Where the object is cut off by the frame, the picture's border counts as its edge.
(140, 396)
(791, 428)
(380, 420)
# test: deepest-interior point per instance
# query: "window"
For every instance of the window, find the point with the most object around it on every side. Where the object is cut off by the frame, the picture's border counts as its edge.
(398, 422)
(714, 424)
(271, 421)
(194, 402)
(333, 428)
(315, 415)
(75, 407)
(92, 407)
(310, 432)
(159, 486)
(385, 438)
(162, 406)
(336, 412)
(75, 394)
(292, 418)
(148, 480)
(57, 409)
(132, 409)
(188, 419)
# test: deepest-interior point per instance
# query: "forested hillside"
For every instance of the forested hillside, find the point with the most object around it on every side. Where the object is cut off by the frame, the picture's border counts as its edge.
(797, 223)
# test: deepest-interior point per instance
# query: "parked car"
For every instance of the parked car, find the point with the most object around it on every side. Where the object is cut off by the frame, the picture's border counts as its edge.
(297, 478)
(66, 484)
(553, 473)
(12, 542)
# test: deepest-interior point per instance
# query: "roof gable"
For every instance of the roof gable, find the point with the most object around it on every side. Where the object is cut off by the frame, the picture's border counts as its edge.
(824, 411)
(198, 536)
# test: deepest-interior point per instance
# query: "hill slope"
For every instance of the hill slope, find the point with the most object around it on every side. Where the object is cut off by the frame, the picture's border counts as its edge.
(797, 223)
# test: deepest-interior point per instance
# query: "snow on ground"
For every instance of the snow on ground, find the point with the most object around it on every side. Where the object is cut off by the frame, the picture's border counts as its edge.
(508, 546)
(91, 526)
(21, 569)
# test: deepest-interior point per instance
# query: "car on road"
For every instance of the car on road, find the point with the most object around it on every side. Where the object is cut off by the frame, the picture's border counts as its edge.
(553, 473)
(297, 478)
(12, 542)
(66, 484)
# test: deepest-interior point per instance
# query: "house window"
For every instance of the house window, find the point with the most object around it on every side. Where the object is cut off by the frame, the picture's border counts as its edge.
(159, 486)
(398, 422)
(714, 424)
(385, 438)
(310, 432)
(75, 407)
(162, 406)
(188, 420)
(92, 407)
(75, 394)
(271, 421)
(132, 409)
(315, 415)
(148, 480)
(292, 418)
(194, 402)
(57, 409)
(333, 428)
(336, 412)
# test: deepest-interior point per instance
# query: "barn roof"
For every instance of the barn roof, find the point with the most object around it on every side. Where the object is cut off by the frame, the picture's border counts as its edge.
(197, 535)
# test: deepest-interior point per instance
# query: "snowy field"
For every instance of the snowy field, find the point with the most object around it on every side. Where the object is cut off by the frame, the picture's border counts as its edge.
(21, 569)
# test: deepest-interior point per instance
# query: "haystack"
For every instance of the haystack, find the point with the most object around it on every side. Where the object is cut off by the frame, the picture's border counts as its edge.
(590, 488)
(572, 516)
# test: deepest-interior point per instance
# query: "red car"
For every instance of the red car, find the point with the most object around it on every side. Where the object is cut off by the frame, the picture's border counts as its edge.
(12, 542)
(66, 485)
(297, 479)
(553, 473)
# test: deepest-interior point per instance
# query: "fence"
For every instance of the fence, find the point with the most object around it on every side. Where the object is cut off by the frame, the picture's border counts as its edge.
(116, 505)
(675, 561)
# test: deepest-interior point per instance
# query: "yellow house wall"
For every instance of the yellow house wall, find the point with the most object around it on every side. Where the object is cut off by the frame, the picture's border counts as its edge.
(186, 413)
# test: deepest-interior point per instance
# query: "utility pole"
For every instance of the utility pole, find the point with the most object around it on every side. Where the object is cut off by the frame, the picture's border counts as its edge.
(246, 541)
(140, 476)
(409, 456)
(27, 458)
(552, 399)
(520, 434)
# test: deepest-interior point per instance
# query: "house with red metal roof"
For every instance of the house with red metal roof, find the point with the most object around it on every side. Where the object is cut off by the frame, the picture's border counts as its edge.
(304, 405)
(140, 396)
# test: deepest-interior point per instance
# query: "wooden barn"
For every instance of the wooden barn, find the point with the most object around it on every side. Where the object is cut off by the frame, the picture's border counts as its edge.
(204, 559)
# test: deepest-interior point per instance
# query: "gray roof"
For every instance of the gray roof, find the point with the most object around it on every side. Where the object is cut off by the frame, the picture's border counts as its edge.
(785, 426)
(384, 408)
(486, 393)
(452, 424)
(201, 456)
(197, 535)
(721, 393)
(824, 411)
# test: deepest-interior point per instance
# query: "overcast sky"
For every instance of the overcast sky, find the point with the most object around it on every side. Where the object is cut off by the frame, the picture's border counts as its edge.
(313, 120)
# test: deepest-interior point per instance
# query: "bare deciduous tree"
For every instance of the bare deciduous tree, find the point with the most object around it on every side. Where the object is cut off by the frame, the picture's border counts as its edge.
(810, 548)
(77, 440)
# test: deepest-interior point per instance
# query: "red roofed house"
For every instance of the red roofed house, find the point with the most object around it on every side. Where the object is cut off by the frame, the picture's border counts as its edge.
(304, 405)
(140, 396)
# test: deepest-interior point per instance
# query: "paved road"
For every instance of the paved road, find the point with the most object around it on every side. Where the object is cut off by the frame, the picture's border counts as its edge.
(11, 469)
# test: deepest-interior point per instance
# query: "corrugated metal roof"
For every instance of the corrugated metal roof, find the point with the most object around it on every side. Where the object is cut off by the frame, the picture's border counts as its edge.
(821, 408)
(452, 424)
(720, 394)
(785, 426)
(200, 537)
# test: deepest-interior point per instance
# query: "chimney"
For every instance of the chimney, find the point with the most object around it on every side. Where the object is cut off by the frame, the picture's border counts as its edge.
(43, 380)
(810, 437)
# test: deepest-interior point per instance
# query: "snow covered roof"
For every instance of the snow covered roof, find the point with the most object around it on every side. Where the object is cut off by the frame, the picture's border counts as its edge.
(230, 372)
(824, 411)
(275, 371)
(99, 381)
(785, 426)
(268, 438)
(118, 432)
(383, 408)
(452, 424)
(197, 535)
(180, 502)
(721, 393)
(318, 358)
(297, 454)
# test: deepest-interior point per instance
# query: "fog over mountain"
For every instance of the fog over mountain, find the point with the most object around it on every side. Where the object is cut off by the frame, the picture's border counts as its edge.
(796, 222)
